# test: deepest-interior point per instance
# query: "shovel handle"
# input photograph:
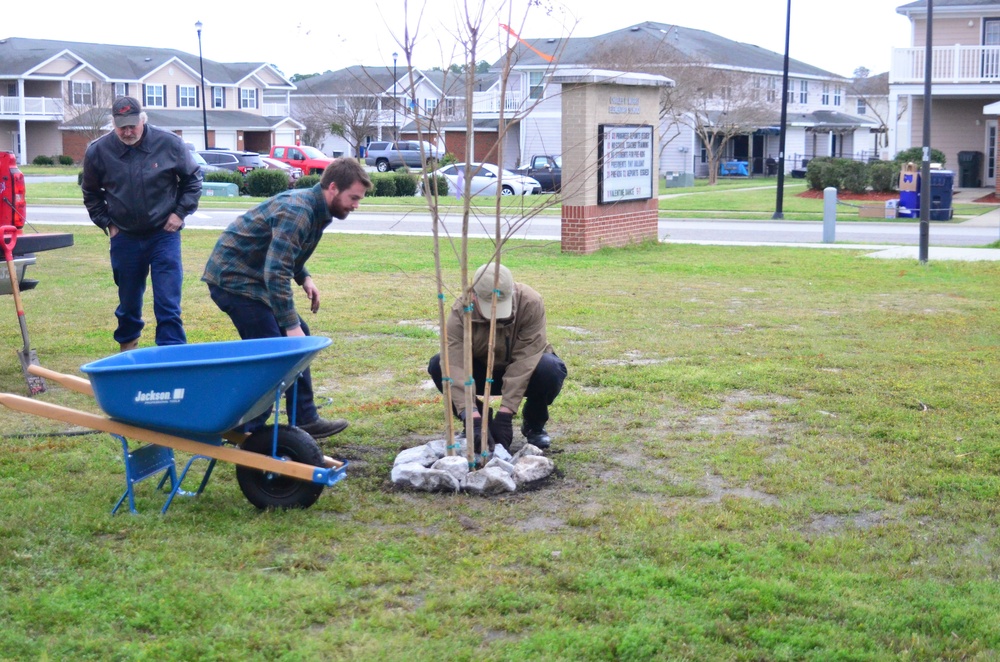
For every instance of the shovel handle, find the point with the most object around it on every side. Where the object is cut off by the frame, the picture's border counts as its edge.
(9, 241)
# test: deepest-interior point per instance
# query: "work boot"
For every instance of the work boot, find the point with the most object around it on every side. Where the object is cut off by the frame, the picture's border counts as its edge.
(131, 344)
(537, 437)
(322, 428)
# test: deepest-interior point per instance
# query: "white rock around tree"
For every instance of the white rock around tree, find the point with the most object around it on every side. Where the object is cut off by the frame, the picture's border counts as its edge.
(428, 469)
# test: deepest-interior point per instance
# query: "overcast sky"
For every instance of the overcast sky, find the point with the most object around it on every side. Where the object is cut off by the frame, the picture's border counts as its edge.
(305, 37)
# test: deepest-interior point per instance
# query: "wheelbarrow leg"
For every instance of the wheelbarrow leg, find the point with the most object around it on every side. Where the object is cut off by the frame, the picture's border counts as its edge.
(142, 463)
(201, 486)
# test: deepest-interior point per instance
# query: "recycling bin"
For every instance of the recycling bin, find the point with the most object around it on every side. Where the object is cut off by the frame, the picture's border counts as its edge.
(942, 183)
(970, 166)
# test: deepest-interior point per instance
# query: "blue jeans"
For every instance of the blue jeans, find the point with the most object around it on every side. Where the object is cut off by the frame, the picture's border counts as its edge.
(133, 259)
(254, 319)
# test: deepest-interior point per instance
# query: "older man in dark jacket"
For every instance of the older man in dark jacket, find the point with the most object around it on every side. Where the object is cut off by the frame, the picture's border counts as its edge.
(139, 184)
(524, 365)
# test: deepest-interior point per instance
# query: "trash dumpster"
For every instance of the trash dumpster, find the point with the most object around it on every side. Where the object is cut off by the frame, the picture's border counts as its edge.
(970, 166)
(942, 183)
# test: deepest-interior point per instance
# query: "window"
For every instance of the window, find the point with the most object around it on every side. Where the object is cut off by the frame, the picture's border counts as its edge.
(772, 94)
(155, 96)
(187, 96)
(430, 105)
(248, 97)
(803, 91)
(12, 89)
(836, 95)
(218, 97)
(83, 93)
(862, 107)
(449, 107)
(120, 90)
(536, 86)
(755, 90)
(340, 105)
(825, 97)
(791, 91)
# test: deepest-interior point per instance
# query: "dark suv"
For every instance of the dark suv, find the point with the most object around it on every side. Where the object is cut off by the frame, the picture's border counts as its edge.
(242, 162)
(386, 156)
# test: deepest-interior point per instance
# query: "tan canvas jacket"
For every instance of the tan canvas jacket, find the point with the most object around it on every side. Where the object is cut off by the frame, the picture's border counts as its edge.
(520, 343)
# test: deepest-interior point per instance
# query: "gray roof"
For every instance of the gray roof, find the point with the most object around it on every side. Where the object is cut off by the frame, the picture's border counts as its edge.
(190, 119)
(117, 63)
(951, 4)
(379, 80)
(676, 43)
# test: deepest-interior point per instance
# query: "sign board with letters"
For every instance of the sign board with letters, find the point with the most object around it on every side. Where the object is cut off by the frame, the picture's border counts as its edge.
(625, 158)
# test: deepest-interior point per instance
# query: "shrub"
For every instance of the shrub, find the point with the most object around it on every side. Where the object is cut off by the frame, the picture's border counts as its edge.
(263, 183)
(406, 185)
(916, 155)
(384, 186)
(42, 160)
(442, 186)
(307, 181)
(65, 160)
(855, 176)
(814, 173)
(228, 177)
(884, 176)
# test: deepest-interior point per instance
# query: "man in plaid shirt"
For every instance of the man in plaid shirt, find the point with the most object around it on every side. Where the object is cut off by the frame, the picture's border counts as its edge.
(252, 266)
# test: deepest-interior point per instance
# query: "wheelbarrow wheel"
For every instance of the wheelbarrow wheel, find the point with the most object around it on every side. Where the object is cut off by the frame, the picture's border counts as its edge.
(266, 489)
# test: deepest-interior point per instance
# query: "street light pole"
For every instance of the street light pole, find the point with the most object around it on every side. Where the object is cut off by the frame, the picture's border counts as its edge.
(204, 100)
(395, 135)
(780, 200)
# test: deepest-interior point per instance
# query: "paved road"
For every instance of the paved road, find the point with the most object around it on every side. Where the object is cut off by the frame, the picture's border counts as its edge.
(547, 228)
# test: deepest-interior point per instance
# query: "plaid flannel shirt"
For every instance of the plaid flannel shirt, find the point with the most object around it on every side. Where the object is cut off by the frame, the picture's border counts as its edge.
(263, 250)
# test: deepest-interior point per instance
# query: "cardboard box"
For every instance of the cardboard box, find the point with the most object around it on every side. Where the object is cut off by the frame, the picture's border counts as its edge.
(909, 177)
(887, 210)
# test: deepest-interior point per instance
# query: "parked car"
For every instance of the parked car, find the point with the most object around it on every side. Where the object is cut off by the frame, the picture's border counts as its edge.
(486, 178)
(546, 169)
(386, 156)
(274, 164)
(242, 162)
(309, 160)
(203, 164)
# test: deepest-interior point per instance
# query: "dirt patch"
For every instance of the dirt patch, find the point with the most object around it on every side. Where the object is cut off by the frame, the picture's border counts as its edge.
(871, 196)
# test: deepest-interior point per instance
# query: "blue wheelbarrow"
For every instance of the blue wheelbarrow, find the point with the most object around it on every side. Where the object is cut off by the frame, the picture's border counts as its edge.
(193, 397)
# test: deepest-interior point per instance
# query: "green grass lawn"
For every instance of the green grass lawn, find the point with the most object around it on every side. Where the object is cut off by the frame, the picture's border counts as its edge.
(762, 454)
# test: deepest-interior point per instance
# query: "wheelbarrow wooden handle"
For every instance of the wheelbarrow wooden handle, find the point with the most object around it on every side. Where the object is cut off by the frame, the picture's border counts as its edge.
(238, 456)
(71, 382)
(83, 386)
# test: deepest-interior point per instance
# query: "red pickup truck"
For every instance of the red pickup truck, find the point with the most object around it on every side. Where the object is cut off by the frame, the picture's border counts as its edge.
(309, 159)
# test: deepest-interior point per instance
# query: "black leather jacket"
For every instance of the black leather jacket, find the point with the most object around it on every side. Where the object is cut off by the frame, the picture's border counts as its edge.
(137, 188)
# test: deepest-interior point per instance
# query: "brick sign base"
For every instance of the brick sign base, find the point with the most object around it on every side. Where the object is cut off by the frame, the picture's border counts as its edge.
(588, 228)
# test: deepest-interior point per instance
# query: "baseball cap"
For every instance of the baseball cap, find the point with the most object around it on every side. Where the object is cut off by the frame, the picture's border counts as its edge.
(125, 112)
(483, 287)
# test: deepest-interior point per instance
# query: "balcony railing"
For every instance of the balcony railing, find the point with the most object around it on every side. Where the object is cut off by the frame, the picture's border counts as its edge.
(949, 64)
(35, 106)
(275, 109)
(488, 103)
